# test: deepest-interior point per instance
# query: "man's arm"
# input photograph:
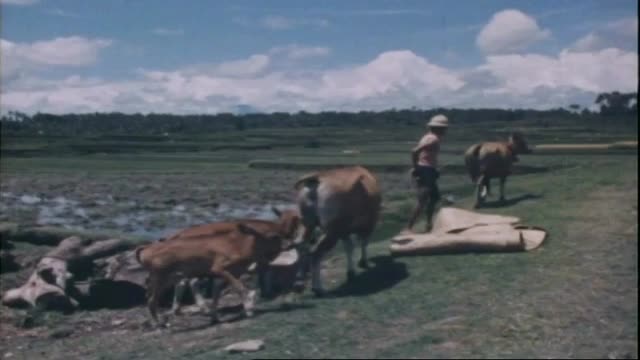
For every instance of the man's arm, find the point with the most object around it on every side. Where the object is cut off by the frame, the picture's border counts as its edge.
(423, 144)
(414, 155)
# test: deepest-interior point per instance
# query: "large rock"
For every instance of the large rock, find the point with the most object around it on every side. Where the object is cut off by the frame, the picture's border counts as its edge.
(52, 284)
(245, 346)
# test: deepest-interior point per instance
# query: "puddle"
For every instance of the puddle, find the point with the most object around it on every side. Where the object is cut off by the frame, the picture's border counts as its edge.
(30, 199)
(127, 217)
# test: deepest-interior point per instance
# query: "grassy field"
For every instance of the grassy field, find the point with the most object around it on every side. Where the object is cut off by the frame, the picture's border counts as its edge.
(574, 297)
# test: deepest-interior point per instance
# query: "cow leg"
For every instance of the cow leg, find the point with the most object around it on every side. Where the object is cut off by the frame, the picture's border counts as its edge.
(248, 297)
(364, 241)
(178, 293)
(487, 188)
(316, 283)
(152, 298)
(196, 290)
(479, 185)
(264, 282)
(326, 244)
(216, 290)
(303, 266)
(302, 269)
(348, 249)
(502, 182)
(157, 285)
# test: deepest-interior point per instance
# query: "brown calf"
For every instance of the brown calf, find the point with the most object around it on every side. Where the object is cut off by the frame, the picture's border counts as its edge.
(289, 219)
(223, 254)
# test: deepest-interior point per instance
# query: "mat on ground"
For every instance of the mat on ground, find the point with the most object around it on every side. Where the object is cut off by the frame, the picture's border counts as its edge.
(459, 231)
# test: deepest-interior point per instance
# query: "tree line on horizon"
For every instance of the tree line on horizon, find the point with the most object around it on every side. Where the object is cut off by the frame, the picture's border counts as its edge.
(615, 108)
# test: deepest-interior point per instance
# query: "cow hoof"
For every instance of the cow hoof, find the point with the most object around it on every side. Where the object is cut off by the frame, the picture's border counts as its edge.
(351, 275)
(318, 292)
(363, 264)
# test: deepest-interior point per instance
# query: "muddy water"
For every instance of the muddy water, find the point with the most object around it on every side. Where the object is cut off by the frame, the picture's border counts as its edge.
(131, 217)
(151, 205)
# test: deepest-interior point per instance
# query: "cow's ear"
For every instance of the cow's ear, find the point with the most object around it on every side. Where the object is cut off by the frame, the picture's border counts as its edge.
(276, 211)
(245, 229)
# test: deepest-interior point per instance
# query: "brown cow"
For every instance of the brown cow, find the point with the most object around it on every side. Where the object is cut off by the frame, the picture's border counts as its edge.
(218, 253)
(493, 159)
(340, 202)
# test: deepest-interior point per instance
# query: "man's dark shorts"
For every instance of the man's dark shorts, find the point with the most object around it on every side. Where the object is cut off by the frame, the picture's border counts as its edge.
(426, 178)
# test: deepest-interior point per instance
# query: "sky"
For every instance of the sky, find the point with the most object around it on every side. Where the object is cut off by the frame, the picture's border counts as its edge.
(201, 56)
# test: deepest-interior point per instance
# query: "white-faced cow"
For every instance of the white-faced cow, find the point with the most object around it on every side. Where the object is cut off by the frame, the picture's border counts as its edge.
(340, 202)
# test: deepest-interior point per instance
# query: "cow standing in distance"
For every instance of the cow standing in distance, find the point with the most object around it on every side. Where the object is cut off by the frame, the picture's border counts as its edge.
(488, 160)
(222, 254)
(340, 202)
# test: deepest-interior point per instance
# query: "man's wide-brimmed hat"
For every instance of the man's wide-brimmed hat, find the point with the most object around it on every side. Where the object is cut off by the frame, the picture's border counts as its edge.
(438, 121)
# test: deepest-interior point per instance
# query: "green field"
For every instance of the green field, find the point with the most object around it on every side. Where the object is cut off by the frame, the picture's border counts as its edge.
(574, 297)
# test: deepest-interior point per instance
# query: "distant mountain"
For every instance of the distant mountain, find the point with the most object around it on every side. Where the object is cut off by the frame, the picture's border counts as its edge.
(244, 109)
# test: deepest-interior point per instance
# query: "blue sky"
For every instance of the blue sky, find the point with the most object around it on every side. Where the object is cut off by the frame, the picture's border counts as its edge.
(211, 56)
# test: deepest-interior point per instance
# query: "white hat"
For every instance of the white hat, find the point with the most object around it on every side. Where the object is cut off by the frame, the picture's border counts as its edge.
(438, 121)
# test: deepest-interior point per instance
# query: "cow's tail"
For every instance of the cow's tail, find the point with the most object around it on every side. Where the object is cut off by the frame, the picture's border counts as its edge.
(472, 161)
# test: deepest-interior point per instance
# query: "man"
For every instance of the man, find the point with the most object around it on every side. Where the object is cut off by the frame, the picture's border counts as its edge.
(424, 158)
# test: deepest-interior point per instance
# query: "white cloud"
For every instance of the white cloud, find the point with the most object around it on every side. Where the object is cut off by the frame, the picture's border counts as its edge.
(625, 27)
(604, 70)
(253, 65)
(63, 51)
(621, 34)
(284, 23)
(397, 74)
(74, 50)
(589, 42)
(295, 52)
(18, 2)
(390, 72)
(398, 78)
(167, 32)
(277, 22)
(62, 13)
(372, 12)
(510, 31)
